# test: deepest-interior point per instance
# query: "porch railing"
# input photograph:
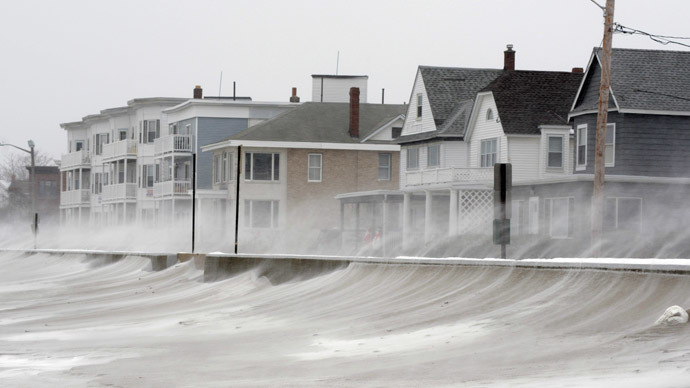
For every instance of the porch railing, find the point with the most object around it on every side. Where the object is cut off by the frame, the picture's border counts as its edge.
(75, 197)
(172, 143)
(119, 149)
(170, 188)
(449, 175)
(119, 192)
(74, 159)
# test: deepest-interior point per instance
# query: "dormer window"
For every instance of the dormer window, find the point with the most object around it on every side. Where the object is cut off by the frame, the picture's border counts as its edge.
(489, 114)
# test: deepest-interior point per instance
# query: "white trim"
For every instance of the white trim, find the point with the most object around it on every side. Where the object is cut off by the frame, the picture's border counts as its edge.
(226, 102)
(524, 136)
(584, 77)
(473, 116)
(655, 112)
(301, 145)
(309, 167)
(613, 157)
(609, 178)
(581, 167)
(376, 132)
(548, 151)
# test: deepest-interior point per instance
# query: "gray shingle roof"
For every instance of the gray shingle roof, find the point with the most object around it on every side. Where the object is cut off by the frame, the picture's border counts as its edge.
(321, 122)
(642, 79)
(527, 99)
(450, 92)
(448, 86)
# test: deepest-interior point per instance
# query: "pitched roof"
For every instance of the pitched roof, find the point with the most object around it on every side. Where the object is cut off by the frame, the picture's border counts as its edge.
(642, 80)
(322, 122)
(446, 87)
(527, 99)
(451, 92)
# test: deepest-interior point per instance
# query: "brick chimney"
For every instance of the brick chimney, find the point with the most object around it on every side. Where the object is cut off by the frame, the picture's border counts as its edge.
(294, 97)
(509, 58)
(578, 70)
(198, 92)
(354, 112)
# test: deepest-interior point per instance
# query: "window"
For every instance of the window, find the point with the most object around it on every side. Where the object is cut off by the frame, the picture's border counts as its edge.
(433, 156)
(412, 158)
(224, 167)
(216, 168)
(420, 101)
(489, 114)
(581, 147)
(623, 213)
(100, 139)
(122, 134)
(555, 152)
(147, 175)
(488, 152)
(227, 177)
(384, 167)
(151, 130)
(78, 145)
(262, 166)
(558, 213)
(97, 183)
(519, 218)
(610, 150)
(314, 168)
(261, 214)
(172, 129)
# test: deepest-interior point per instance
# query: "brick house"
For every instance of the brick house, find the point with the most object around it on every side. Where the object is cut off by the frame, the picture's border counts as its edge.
(293, 166)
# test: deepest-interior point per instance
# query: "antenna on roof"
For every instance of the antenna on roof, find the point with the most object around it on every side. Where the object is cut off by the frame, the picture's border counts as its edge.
(220, 85)
(337, 63)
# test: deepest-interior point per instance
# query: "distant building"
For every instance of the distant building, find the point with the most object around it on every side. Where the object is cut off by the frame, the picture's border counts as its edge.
(19, 194)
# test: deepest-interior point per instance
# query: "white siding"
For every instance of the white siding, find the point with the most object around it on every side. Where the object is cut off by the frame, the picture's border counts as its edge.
(567, 152)
(454, 154)
(412, 123)
(386, 134)
(487, 129)
(523, 153)
(338, 89)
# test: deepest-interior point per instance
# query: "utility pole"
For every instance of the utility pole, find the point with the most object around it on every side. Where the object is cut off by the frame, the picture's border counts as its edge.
(600, 142)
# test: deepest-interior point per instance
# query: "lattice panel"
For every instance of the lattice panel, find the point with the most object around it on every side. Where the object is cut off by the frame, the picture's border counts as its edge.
(476, 211)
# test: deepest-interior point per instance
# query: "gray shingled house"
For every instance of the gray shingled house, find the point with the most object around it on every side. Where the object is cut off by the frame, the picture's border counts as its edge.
(646, 157)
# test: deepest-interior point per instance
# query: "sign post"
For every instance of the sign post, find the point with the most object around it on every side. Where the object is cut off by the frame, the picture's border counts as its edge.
(503, 183)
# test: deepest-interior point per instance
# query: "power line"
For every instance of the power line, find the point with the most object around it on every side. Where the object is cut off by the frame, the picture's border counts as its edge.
(662, 39)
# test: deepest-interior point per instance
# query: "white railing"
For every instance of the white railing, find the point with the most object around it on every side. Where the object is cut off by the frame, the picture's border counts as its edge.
(119, 192)
(119, 149)
(449, 175)
(75, 197)
(168, 188)
(73, 159)
(173, 143)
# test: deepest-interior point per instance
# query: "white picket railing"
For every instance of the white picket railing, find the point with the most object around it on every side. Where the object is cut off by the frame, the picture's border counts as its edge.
(172, 143)
(119, 192)
(119, 149)
(449, 175)
(169, 188)
(75, 197)
(74, 159)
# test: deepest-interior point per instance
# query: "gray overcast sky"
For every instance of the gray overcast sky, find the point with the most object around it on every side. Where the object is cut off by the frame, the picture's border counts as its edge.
(63, 60)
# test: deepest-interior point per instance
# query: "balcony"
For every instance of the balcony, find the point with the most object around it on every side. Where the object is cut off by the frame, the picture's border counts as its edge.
(75, 159)
(173, 143)
(119, 192)
(119, 150)
(75, 198)
(449, 175)
(171, 188)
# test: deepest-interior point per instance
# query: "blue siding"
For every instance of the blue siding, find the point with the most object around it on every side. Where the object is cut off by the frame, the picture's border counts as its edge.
(646, 145)
(212, 130)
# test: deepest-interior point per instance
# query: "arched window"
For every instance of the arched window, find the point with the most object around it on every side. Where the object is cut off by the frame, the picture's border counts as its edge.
(489, 114)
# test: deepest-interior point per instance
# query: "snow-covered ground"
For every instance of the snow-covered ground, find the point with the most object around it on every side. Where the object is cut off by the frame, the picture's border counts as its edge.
(67, 322)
